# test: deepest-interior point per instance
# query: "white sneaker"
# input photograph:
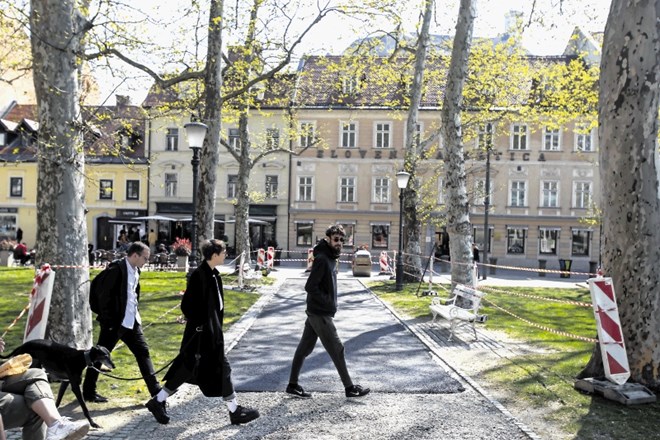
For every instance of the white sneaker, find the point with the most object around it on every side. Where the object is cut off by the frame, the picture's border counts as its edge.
(67, 429)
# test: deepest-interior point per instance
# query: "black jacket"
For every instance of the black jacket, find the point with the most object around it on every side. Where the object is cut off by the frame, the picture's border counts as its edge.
(321, 286)
(113, 295)
(201, 307)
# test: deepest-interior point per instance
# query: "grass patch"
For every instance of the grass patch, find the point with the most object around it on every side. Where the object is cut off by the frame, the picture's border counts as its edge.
(159, 308)
(543, 379)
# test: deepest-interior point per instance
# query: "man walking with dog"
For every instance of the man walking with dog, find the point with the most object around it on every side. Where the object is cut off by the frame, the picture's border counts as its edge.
(27, 402)
(119, 318)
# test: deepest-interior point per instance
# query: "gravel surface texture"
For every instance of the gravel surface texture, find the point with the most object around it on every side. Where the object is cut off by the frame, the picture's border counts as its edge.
(415, 393)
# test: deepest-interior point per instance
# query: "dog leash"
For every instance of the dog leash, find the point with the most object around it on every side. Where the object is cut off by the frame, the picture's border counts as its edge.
(197, 355)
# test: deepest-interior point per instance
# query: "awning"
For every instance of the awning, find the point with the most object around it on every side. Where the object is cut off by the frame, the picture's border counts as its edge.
(156, 217)
(125, 221)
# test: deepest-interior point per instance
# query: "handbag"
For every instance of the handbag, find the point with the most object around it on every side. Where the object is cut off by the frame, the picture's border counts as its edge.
(16, 365)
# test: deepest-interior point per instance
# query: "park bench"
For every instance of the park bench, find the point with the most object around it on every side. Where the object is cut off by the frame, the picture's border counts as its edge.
(461, 309)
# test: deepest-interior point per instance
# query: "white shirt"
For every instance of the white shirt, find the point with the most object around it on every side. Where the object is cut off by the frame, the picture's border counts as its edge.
(132, 314)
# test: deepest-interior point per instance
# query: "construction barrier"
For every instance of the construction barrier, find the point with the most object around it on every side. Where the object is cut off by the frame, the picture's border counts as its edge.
(383, 261)
(42, 289)
(310, 259)
(610, 336)
(261, 255)
(270, 257)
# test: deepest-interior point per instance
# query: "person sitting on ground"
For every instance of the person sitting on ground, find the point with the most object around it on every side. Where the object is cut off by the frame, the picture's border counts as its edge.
(27, 402)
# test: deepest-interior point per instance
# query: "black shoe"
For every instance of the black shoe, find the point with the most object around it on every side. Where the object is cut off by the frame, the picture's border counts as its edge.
(243, 415)
(95, 398)
(297, 390)
(356, 391)
(158, 410)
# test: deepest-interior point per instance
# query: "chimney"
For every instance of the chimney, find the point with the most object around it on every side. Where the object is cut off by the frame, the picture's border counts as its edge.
(123, 100)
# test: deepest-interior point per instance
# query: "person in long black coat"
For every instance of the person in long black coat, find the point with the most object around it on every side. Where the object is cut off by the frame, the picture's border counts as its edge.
(201, 359)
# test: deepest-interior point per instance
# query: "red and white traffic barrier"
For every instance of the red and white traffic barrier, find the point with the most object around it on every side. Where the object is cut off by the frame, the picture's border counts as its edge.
(261, 255)
(270, 257)
(610, 336)
(42, 290)
(384, 263)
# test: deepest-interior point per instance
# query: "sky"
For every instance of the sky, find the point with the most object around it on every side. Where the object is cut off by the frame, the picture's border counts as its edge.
(547, 35)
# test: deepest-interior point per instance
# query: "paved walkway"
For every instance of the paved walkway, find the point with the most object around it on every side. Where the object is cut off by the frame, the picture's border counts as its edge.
(400, 361)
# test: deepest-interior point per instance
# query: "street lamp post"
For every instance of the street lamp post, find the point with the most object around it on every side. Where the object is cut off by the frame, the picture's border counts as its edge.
(195, 131)
(401, 182)
(486, 204)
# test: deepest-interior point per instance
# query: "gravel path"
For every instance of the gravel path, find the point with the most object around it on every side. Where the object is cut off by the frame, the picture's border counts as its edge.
(415, 409)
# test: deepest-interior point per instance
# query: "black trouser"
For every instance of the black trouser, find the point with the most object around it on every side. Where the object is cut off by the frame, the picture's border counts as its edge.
(323, 328)
(134, 340)
(182, 374)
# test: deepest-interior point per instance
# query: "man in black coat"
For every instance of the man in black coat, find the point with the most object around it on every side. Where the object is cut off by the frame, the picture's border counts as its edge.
(201, 359)
(119, 318)
(321, 288)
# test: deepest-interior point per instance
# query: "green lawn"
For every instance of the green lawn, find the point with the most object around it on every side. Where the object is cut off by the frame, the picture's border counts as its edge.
(159, 308)
(544, 379)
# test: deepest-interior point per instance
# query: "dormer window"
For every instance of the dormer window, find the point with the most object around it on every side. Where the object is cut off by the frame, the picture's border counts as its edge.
(349, 85)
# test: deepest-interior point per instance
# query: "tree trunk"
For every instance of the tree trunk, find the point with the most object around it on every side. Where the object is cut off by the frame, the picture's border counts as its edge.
(57, 29)
(411, 197)
(243, 196)
(458, 217)
(628, 130)
(212, 118)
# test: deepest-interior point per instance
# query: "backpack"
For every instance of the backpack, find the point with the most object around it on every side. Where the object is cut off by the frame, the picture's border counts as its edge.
(95, 288)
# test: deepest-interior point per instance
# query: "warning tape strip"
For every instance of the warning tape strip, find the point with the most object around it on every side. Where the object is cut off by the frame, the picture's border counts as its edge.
(541, 298)
(20, 315)
(541, 327)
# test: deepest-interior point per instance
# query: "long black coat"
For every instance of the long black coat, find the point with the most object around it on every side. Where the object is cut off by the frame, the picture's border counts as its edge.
(201, 307)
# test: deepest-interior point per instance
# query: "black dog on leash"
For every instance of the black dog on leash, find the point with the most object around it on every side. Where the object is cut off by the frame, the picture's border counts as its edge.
(65, 364)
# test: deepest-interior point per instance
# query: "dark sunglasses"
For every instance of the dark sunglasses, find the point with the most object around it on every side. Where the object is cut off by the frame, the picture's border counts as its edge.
(338, 240)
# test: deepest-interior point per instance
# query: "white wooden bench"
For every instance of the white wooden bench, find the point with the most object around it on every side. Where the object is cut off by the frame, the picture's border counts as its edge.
(458, 311)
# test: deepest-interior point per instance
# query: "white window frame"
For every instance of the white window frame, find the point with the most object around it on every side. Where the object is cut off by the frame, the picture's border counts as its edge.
(349, 84)
(551, 139)
(382, 134)
(582, 139)
(307, 130)
(271, 186)
(519, 136)
(234, 138)
(348, 131)
(232, 186)
(305, 188)
(381, 189)
(172, 139)
(171, 183)
(582, 198)
(549, 190)
(487, 129)
(272, 138)
(348, 189)
(515, 188)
